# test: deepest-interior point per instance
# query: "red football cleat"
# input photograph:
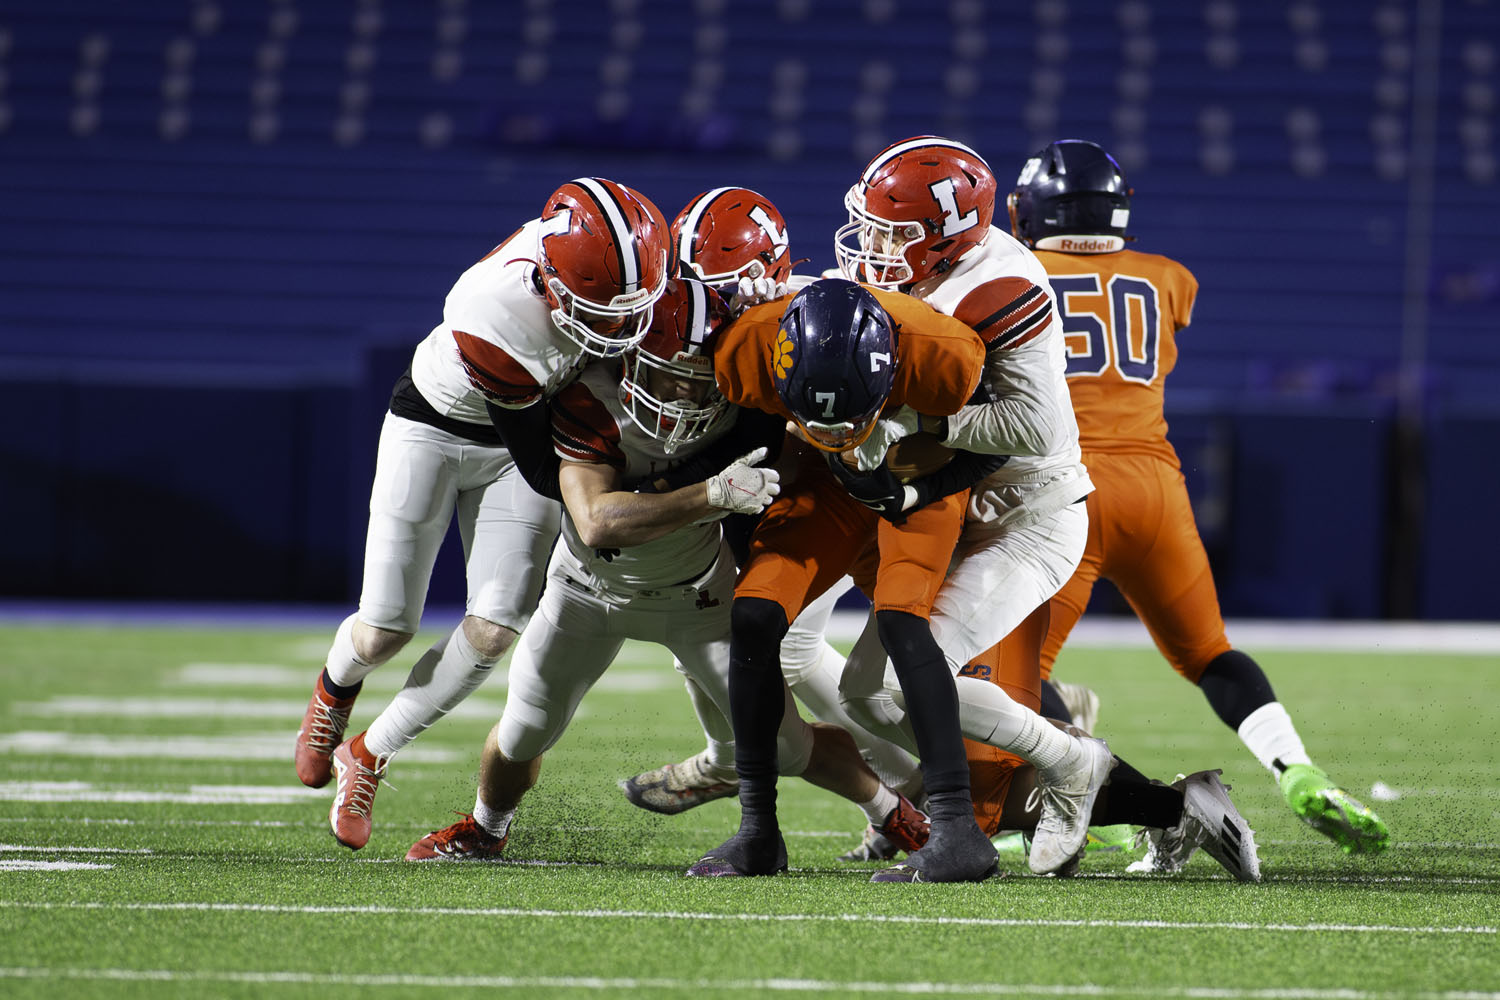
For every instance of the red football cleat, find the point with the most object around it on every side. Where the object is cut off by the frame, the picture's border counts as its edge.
(359, 774)
(322, 730)
(465, 840)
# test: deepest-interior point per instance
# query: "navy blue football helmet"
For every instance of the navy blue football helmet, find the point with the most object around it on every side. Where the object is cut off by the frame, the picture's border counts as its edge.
(835, 362)
(1071, 196)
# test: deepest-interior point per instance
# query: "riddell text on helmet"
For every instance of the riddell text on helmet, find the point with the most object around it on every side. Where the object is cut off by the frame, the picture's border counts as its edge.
(1085, 244)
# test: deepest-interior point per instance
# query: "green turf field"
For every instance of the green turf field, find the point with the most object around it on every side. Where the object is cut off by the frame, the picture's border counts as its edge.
(154, 842)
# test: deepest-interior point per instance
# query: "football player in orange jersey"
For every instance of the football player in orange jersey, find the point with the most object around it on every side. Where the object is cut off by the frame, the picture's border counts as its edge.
(1121, 311)
(829, 362)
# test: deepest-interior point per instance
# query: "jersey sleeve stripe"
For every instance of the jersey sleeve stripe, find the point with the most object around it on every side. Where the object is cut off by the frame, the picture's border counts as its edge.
(494, 372)
(1023, 329)
(583, 430)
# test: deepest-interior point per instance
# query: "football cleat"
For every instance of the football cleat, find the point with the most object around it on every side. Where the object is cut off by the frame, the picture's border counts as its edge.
(742, 855)
(1332, 811)
(956, 851)
(872, 847)
(676, 788)
(465, 840)
(906, 826)
(1210, 821)
(1081, 702)
(323, 726)
(1067, 798)
(359, 773)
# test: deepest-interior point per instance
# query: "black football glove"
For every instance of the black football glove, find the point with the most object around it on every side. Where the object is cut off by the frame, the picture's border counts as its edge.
(877, 489)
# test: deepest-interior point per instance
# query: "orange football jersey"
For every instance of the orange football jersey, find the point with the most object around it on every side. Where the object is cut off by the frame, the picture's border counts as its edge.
(1120, 313)
(939, 359)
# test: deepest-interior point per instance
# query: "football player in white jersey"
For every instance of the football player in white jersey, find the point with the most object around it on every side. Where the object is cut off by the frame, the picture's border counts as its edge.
(650, 566)
(462, 437)
(735, 240)
(920, 222)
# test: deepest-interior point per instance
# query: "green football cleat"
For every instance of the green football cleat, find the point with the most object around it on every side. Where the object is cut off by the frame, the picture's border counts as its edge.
(1332, 811)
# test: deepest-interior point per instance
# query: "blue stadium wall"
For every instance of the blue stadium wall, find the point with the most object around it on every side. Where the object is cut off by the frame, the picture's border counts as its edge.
(224, 225)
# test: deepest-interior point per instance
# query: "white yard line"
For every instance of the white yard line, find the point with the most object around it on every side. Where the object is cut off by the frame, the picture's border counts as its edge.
(218, 795)
(166, 707)
(263, 746)
(743, 987)
(838, 918)
(29, 865)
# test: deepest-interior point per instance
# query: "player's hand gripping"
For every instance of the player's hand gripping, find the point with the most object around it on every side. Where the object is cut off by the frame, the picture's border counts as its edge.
(878, 490)
(754, 291)
(743, 488)
(870, 453)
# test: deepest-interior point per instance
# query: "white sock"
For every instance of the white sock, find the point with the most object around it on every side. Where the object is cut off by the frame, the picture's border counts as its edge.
(444, 676)
(987, 714)
(495, 822)
(878, 808)
(345, 668)
(1270, 735)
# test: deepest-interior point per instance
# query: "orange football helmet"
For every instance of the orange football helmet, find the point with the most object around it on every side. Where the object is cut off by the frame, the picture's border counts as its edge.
(919, 207)
(731, 233)
(603, 255)
(667, 380)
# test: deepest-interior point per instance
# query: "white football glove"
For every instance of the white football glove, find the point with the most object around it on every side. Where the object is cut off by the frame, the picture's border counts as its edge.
(742, 488)
(888, 430)
(753, 291)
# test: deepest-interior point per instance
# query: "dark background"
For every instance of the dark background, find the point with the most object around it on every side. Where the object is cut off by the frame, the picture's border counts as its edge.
(224, 224)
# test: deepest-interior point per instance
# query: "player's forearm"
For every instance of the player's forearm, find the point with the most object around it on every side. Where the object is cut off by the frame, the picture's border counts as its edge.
(618, 519)
(1022, 422)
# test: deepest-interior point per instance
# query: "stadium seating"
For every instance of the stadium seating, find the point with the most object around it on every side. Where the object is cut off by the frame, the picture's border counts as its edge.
(275, 193)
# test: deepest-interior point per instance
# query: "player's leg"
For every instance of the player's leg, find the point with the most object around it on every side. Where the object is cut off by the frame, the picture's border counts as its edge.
(1002, 574)
(812, 668)
(1074, 703)
(411, 502)
(561, 654)
(803, 544)
(912, 560)
(1171, 588)
(507, 531)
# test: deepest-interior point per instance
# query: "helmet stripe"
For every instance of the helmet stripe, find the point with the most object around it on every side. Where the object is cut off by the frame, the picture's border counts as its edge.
(624, 240)
(911, 144)
(689, 233)
(697, 315)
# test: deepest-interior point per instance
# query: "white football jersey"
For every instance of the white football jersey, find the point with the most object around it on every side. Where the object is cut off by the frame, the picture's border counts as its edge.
(590, 424)
(1001, 290)
(497, 340)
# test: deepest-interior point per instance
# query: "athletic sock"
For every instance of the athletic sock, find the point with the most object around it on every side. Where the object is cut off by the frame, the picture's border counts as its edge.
(495, 822)
(1235, 686)
(343, 666)
(444, 676)
(339, 691)
(1270, 735)
(1131, 797)
(878, 808)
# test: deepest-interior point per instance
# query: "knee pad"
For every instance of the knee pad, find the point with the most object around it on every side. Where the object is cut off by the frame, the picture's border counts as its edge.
(758, 625)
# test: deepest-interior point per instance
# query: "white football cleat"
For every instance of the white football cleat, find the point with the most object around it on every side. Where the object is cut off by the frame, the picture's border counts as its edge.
(1210, 821)
(1067, 794)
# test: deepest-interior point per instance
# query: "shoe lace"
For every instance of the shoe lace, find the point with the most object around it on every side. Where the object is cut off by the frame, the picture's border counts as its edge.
(327, 729)
(359, 798)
